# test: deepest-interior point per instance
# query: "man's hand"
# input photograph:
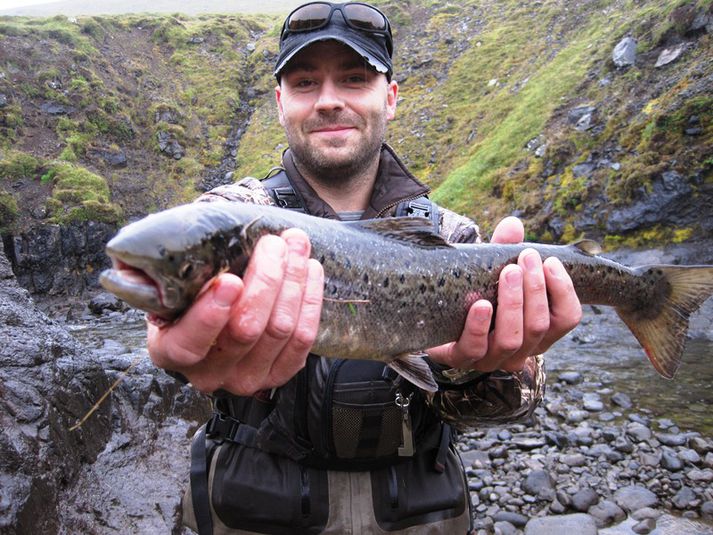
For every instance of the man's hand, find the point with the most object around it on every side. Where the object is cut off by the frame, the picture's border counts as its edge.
(537, 305)
(249, 334)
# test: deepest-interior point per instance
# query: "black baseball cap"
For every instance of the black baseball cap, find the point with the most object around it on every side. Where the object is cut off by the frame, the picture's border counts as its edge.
(354, 24)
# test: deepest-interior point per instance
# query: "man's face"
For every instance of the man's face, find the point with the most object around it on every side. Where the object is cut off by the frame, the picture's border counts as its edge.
(334, 109)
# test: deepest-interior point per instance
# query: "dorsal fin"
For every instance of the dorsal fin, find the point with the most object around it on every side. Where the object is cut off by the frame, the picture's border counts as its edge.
(413, 230)
(589, 247)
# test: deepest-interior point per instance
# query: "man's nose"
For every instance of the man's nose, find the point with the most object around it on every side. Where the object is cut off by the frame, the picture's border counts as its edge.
(329, 97)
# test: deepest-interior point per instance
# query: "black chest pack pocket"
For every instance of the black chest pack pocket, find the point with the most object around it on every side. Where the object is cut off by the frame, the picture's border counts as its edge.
(366, 414)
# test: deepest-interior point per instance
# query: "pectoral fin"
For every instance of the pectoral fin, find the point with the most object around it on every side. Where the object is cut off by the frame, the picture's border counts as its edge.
(415, 369)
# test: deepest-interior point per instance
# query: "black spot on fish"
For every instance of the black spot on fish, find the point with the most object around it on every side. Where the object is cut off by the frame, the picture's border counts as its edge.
(422, 288)
(441, 282)
(366, 278)
(386, 283)
(456, 273)
(402, 279)
(321, 259)
(470, 279)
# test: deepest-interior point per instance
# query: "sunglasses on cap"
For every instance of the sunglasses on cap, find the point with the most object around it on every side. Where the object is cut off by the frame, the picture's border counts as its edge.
(358, 16)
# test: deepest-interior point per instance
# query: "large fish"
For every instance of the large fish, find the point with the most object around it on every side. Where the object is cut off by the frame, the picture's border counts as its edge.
(392, 286)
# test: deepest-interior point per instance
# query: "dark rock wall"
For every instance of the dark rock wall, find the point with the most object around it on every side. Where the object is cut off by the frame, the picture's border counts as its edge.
(111, 475)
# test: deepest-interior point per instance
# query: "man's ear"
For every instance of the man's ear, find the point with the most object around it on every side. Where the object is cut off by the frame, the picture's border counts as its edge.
(278, 100)
(391, 98)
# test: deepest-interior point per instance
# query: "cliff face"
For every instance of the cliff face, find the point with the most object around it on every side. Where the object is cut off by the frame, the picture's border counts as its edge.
(131, 454)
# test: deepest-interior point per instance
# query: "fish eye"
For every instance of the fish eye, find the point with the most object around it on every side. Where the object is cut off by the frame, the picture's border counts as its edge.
(185, 270)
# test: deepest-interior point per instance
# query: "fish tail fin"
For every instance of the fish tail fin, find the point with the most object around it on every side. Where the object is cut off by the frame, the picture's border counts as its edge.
(416, 370)
(662, 332)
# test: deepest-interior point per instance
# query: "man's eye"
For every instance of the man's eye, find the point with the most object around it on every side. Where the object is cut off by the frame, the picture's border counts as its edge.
(305, 83)
(355, 79)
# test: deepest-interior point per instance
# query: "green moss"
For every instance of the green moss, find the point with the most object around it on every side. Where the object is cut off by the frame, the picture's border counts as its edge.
(8, 210)
(79, 194)
(16, 165)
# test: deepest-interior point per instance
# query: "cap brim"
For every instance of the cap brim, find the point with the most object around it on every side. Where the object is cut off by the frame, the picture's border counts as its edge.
(299, 41)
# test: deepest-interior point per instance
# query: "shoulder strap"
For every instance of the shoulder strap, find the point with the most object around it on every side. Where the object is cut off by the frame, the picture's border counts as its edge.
(420, 207)
(282, 192)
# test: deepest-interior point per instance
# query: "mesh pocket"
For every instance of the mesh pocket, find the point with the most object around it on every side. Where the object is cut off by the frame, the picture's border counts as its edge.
(365, 430)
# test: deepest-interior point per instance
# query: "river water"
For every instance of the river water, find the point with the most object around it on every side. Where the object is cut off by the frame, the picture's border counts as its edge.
(601, 349)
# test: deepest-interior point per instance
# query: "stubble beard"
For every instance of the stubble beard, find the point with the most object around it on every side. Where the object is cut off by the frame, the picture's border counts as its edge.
(331, 171)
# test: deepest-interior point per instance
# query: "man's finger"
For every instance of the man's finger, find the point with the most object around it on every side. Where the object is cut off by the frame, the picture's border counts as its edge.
(187, 341)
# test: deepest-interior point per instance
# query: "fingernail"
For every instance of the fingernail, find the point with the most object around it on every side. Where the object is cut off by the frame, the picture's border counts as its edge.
(556, 269)
(514, 278)
(224, 294)
(532, 261)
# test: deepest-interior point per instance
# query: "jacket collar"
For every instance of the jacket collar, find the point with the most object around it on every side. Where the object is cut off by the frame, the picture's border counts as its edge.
(394, 183)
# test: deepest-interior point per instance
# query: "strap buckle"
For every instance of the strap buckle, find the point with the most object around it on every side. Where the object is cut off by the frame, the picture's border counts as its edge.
(222, 426)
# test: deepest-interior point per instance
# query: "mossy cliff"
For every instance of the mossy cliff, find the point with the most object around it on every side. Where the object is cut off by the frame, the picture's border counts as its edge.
(505, 108)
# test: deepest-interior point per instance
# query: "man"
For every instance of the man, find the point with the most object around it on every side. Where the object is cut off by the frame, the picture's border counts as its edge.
(303, 444)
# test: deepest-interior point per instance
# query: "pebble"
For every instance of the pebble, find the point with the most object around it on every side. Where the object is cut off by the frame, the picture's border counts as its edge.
(638, 432)
(645, 526)
(504, 528)
(516, 519)
(672, 440)
(671, 462)
(622, 400)
(584, 499)
(705, 475)
(684, 498)
(635, 497)
(707, 510)
(699, 445)
(606, 513)
(571, 378)
(539, 483)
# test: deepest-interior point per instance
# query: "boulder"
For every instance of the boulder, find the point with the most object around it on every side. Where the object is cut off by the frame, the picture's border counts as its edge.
(624, 54)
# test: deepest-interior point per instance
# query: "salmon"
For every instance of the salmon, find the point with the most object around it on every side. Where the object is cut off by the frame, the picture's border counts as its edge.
(393, 287)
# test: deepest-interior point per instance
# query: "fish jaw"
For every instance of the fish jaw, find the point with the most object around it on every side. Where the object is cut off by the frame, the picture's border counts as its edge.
(139, 289)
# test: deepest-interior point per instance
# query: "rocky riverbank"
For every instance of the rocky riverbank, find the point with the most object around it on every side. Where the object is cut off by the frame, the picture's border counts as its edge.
(590, 461)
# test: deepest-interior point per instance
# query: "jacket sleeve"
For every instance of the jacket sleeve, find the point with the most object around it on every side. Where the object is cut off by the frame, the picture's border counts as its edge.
(248, 190)
(469, 399)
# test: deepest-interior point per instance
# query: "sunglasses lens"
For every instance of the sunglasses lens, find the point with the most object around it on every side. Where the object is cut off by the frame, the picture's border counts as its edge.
(309, 17)
(364, 17)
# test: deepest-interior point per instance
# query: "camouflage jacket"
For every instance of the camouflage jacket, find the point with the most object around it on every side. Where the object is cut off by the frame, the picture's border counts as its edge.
(485, 397)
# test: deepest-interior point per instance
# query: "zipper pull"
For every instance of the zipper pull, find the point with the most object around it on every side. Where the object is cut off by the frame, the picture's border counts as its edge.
(406, 448)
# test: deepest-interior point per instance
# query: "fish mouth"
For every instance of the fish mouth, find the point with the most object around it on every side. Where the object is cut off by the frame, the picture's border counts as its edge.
(137, 288)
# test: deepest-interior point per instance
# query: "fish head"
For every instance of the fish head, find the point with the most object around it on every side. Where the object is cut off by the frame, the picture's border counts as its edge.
(161, 263)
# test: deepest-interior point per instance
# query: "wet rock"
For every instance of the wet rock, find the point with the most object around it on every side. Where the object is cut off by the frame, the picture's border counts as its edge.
(708, 460)
(624, 54)
(671, 462)
(635, 497)
(579, 523)
(583, 499)
(606, 513)
(638, 432)
(571, 378)
(699, 445)
(114, 158)
(504, 528)
(528, 441)
(3, 100)
(622, 400)
(705, 475)
(104, 301)
(539, 483)
(646, 512)
(645, 526)
(516, 519)
(574, 459)
(671, 439)
(684, 498)
(707, 510)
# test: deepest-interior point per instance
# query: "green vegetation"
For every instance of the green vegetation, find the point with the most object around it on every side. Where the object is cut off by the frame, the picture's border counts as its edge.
(8, 210)
(478, 82)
